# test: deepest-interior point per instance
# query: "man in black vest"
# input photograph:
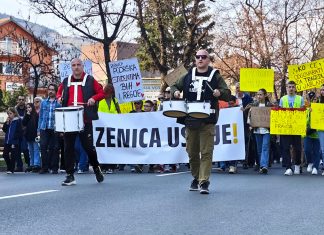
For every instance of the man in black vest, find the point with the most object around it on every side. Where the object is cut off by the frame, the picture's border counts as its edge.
(77, 89)
(202, 83)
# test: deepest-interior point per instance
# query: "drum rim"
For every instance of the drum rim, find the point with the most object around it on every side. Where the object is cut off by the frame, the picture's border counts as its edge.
(181, 112)
(193, 113)
(69, 109)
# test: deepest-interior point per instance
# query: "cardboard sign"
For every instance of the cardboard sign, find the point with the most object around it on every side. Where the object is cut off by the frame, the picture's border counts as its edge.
(317, 116)
(260, 117)
(127, 80)
(288, 122)
(307, 76)
(252, 79)
(175, 75)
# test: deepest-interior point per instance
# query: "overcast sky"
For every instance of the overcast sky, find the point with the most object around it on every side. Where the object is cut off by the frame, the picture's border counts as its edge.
(21, 9)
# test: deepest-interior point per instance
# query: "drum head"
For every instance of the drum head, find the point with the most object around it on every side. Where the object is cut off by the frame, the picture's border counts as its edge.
(174, 113)
(198, 115)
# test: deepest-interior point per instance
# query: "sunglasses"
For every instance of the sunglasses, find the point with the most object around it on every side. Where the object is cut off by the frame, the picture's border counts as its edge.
(21, 99)
(203, 57)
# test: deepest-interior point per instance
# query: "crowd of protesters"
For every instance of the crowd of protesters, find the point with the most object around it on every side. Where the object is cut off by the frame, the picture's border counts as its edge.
(30, 132)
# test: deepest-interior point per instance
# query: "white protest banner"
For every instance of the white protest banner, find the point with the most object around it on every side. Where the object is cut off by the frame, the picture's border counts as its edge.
(151, 138)
(88, 66)
(127, 80)
(65, 69)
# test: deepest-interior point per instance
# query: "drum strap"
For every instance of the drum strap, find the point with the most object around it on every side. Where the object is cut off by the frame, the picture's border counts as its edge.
(76, 84)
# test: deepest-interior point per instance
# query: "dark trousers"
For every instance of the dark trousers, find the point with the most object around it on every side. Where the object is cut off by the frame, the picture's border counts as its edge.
(10, 155)
(23, 148)
(86, 139)
(49, 149)
(286, 141)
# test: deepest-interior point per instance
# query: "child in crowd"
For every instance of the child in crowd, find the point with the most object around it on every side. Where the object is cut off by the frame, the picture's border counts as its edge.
(13, 129)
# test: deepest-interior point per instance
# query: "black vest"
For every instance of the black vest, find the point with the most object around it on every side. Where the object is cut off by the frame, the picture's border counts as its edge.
(206, 95)
(90, 112)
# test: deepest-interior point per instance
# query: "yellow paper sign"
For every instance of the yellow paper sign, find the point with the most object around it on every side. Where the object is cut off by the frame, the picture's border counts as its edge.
(252, 79)
(288, 122)
(307, 76)
(317, 116)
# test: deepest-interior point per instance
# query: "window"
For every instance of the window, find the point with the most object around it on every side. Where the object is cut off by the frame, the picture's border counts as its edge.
(10, 68)
(7, 46)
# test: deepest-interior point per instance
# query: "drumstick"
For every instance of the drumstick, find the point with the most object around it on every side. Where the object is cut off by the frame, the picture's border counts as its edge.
(209, 87)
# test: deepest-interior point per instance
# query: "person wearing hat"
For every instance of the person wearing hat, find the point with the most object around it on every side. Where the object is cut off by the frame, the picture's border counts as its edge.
(311, 141)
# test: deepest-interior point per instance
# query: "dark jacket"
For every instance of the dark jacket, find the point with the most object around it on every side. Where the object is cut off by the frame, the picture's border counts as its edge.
(217, 82)
(13, 131)
(90, 112)
(31, 124)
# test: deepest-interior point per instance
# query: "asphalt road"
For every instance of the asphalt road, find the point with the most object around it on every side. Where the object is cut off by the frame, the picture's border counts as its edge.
(126, 203)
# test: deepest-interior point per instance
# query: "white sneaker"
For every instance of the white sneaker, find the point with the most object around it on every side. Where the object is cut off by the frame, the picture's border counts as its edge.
(232, 170)
(310, 167)
(323, 173)
(297, 170)
(314, 171)
(289, 172)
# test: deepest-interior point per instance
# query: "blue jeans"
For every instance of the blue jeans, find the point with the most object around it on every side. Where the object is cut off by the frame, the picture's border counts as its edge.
(321, 140)
(34, 153)
(312, 151)
(263, 147)
(81, 155)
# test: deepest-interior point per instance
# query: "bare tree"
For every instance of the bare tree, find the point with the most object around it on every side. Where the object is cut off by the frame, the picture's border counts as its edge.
(92, 19)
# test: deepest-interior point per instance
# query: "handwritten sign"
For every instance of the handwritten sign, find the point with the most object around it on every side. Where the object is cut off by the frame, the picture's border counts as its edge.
(288, 122)
(66, 69)
(317, 116)
(173, 76)
(307, 76)
(252, 79)
(87, 66)
(127, 80)
(260, 117)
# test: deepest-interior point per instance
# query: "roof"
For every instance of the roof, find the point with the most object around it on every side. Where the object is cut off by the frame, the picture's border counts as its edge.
(7, 20)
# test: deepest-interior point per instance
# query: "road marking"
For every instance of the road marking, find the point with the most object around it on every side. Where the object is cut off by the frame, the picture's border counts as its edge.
(177, 173)
(28, 194)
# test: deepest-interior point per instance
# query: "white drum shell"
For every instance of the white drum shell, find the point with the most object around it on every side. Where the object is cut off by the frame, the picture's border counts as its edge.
(174, 108)
(198, 109)
(69, 119)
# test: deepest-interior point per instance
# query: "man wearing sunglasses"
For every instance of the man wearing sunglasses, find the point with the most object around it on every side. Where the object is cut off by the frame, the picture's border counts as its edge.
(203, 84)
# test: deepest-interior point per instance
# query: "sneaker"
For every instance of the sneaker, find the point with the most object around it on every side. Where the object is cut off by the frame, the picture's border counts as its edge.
(9, 172)
(110, 171)
(323, 173)
(297, 170)
(133, 170)
(232, 170)
(81, 171)
(99, 175)
(289, 172)
(264, 170)
(204, 188)
(29, 169)
(138, 169)
(54, 172)
(194, 185)
(69, 181)
(314, 171)
(310, 167)
(36, 169)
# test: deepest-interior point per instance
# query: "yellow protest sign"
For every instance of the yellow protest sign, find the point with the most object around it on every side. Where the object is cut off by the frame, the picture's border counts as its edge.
(307, 76)
(252, 79)
(288, 122)
(317, 116)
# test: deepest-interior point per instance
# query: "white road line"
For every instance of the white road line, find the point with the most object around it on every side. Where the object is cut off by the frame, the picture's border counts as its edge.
(28, 194)
(177, 173)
